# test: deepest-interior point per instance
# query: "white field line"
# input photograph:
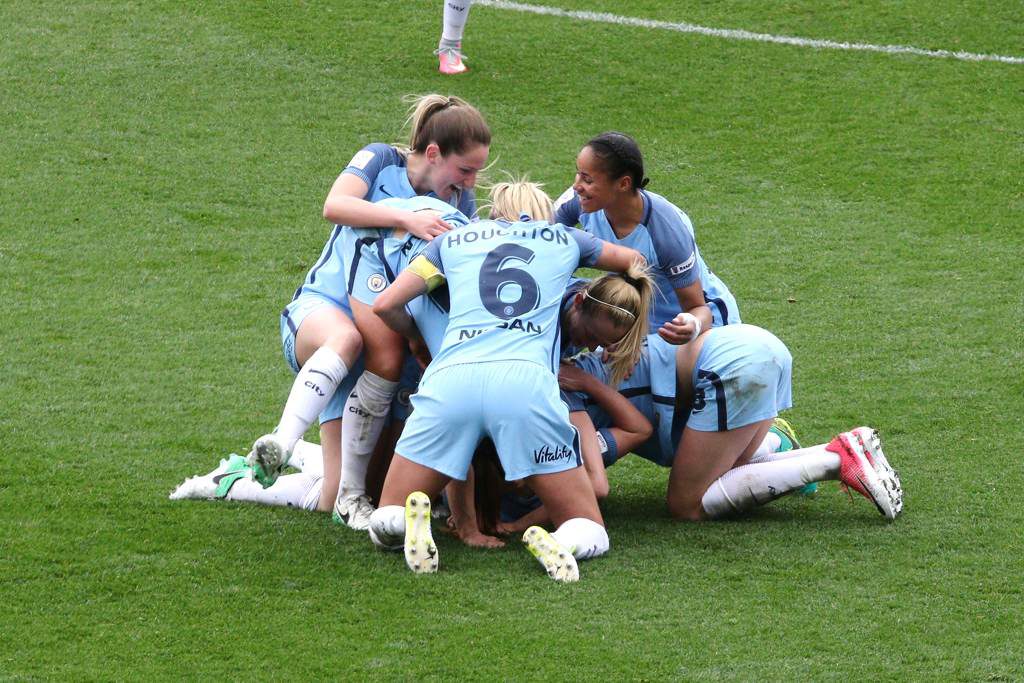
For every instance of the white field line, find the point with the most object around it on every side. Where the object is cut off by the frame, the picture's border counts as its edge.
(735, 34)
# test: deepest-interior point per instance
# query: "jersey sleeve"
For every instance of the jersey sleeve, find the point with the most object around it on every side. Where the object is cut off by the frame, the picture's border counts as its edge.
(432, 253)
(676, 251)
(590, 246)
(370, 160)
(567, 208)
(467, 203)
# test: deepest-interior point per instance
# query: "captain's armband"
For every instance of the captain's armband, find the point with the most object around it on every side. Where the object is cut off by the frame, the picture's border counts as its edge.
(430, 273)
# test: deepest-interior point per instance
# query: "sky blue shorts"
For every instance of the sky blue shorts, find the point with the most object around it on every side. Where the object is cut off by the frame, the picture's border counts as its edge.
(516, 403)
(291, 319)
(743, 375)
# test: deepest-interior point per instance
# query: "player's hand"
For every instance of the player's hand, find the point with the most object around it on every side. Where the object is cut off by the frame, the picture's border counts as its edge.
(606, 358)
(420, 352)
(424, 224)
(679, 330)
(571, 378)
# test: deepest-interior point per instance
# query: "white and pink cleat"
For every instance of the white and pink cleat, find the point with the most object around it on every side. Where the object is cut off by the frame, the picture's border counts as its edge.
(450, 60)
(864, 468)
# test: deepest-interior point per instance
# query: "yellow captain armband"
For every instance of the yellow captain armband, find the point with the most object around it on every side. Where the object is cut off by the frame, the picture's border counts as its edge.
(428, 271)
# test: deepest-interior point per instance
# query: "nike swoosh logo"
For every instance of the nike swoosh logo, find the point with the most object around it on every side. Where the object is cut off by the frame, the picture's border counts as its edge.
(381, 189)
(217, 478)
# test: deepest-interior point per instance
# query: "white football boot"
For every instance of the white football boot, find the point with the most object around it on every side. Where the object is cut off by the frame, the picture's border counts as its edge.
(420, 551)
(353, 510)
(217, 483)
(268, 458)
(864, 468)
(556, 559)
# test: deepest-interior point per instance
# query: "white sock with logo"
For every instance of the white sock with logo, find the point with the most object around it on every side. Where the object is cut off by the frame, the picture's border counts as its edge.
(311, 392)
(365, 414)
(307, 457)
(387, 527)
(586, 537)
(748, 486)
(300, 490)
(456, 12)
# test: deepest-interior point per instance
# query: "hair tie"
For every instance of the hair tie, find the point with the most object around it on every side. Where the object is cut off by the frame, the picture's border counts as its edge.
(632, 281)
(588, 295)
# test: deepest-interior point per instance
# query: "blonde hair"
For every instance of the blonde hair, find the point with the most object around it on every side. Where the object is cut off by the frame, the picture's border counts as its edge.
(513, 198)
(626, 300)
(451, 123)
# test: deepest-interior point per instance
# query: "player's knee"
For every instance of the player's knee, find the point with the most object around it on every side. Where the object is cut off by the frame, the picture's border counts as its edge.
(347, 343)
(386, 361)
(683, 510)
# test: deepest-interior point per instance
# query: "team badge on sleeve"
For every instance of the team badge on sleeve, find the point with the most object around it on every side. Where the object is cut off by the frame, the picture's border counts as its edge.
(361, 159)
(376, 283)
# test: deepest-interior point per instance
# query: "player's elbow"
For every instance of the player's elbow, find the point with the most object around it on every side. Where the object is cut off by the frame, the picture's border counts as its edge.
(382, 307)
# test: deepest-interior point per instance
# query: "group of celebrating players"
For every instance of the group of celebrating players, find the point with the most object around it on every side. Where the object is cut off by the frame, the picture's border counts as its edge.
(456, 363)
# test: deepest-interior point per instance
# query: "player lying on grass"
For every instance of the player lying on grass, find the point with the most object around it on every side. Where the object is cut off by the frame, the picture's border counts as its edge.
(494, 377)
(714, 401)
(608, 199)
(449, 144)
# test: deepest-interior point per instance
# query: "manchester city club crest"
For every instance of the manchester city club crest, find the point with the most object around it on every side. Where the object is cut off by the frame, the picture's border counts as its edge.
(376, 283)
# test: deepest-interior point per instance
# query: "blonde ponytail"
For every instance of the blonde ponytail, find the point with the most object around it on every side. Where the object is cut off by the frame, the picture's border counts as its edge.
(626, 300)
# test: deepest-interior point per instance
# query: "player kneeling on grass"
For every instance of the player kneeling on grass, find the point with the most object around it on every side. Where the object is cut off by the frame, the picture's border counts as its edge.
(715, 401)
(494, 377)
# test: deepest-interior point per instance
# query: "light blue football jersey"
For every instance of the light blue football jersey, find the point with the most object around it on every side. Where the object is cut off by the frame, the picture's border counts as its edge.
(383, 169)
(666, 238)
(328, 277)
(506, 282)
(651, 388)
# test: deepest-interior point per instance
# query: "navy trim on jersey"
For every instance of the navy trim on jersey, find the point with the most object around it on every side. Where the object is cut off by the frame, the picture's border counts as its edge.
(441, 298)
(723, 421)
(648, 212)
(383, 259)
(364, 241)
(311, 278)
(723, 308)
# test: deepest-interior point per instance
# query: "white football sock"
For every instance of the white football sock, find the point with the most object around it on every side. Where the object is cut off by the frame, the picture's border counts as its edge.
(748, 486)
(767, 449)
(387, 527)
(292, 490)
(311, 392)
(586, 537)
(365, 414)
(455, 14)
(307, 457)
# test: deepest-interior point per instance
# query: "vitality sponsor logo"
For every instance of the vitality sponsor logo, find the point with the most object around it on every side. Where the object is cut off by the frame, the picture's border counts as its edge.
(681, 268)
(548, 454)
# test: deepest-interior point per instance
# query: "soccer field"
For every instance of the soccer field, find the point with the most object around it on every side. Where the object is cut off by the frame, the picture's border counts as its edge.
(163, 167)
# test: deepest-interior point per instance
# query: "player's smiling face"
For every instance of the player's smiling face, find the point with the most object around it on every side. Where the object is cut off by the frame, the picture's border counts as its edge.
(595, 188)
(453, 172)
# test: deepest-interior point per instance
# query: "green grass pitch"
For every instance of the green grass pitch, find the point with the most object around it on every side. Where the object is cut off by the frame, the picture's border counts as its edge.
(162, 171)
